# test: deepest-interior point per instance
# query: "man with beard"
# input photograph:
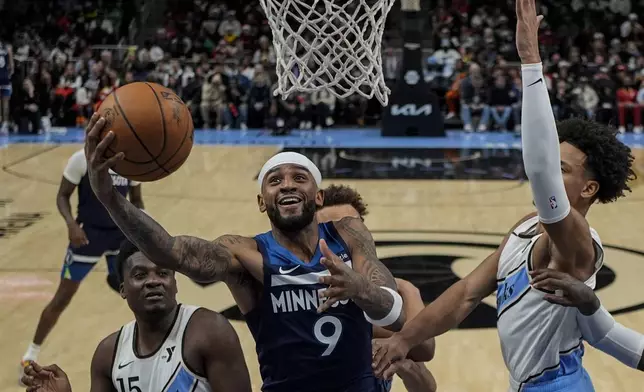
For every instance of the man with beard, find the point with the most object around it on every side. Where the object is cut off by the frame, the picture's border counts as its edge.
(168, 347)
(309, 291)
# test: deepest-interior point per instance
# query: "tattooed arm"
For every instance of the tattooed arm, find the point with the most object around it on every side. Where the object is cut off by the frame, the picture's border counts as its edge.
(370, 297)
(201, 260)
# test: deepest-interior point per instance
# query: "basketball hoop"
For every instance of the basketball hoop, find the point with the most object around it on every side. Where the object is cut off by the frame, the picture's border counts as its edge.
(331, 45)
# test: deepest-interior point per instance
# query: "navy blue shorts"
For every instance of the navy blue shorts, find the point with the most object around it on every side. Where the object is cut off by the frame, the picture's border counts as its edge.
(5, 88)
(80, 261)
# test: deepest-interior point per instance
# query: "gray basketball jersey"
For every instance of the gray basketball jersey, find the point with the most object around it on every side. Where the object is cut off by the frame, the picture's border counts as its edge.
(161, 371)
(540, 341)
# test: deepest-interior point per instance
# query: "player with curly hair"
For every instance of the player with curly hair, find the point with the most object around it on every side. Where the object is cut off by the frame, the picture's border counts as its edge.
(341, 201)
(571, 166)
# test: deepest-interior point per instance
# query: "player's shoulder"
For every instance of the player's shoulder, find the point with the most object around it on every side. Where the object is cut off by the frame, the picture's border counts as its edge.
(106, 350)
(207, 326)
(79, 154)
(527, 218)
(351, 226)
(77, 159)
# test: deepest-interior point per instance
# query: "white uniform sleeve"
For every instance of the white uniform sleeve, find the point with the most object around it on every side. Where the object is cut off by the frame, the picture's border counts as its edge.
(604, 333)
(76, 167)
(540, 145)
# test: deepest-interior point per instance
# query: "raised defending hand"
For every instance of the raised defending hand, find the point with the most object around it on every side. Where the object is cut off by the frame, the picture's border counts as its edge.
(527, 34)
(575, 292)
(45, 379)
(344, 283)
(97, 164)
(387, 353)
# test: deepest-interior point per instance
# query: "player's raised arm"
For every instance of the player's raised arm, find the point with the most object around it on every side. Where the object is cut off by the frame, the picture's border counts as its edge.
(369, 284)
(201, 260)
(597, 326)
(566, 227)
(445, 313)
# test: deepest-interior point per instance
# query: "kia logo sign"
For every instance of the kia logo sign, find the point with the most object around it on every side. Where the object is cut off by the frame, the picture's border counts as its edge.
(411, 109)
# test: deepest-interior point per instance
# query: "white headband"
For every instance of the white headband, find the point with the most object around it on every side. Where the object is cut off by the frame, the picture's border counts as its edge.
(289, 158)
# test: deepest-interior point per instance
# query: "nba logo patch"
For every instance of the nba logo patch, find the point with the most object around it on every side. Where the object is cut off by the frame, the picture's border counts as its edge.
(553, 202)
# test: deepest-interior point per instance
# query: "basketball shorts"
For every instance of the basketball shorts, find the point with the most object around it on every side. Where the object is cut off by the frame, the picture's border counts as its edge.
(102, 242)
(5, 88)
(370, 384)
(578, 381)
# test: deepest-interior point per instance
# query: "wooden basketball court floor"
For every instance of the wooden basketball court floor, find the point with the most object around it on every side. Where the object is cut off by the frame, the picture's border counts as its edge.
(214, 194)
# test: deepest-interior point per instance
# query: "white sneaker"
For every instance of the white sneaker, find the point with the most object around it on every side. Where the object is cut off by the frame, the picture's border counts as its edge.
(621, 129)
(637, 129)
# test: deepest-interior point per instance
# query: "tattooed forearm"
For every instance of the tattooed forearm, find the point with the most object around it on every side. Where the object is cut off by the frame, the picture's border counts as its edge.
(199, 259)
(205, 261)
(376, 302)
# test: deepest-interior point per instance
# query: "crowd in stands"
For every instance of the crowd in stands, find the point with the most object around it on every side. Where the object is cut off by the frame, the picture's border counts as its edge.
(218, 56)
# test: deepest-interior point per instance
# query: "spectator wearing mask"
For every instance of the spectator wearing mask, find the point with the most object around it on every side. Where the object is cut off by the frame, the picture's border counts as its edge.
(627, 103)
(500, 100)
(474, 99)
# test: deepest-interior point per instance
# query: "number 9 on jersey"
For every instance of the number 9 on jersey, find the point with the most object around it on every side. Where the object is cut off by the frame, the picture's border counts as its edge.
(331, 340)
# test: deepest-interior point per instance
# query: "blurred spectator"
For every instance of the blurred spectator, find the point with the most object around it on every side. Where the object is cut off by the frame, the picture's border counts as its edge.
(259, 99)
(627, 104)
(29, 118)
(586, 98)
(213, 95)
(501, 98)
(474, 99)
(323, 104)
(592, 54)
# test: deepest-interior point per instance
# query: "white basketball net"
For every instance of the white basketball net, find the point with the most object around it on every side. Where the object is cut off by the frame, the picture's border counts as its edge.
(331, 45)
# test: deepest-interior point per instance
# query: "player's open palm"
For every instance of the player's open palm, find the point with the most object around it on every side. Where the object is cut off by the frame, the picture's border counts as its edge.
(45, 379)
(386, 355)
(344, 283)
(98, 164)
(527, 34)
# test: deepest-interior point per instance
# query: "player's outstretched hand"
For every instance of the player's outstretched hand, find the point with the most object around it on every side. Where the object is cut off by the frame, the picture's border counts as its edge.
(387, 353)
(527, 34)
(98, 164)
(575, 292)
(45, 379)
(344, 283)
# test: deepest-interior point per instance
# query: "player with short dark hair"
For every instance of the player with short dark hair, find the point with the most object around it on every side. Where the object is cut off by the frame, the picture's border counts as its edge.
(341, 201)
(91, 234)
(168, 347)
(310, 292)
(570, 166)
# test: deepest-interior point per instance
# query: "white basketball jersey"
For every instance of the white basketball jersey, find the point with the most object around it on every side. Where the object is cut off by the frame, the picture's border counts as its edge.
(161, 371)
(540, 341)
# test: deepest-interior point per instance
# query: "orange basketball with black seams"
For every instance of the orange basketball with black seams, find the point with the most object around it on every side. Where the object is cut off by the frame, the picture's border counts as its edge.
(152, 126)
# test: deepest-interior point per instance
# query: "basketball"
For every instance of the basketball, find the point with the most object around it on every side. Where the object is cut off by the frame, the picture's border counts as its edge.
(152, 126)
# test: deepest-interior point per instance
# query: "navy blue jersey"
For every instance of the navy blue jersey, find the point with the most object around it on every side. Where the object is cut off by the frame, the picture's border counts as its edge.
(299, 349)
(90, 210)
(4, 66)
